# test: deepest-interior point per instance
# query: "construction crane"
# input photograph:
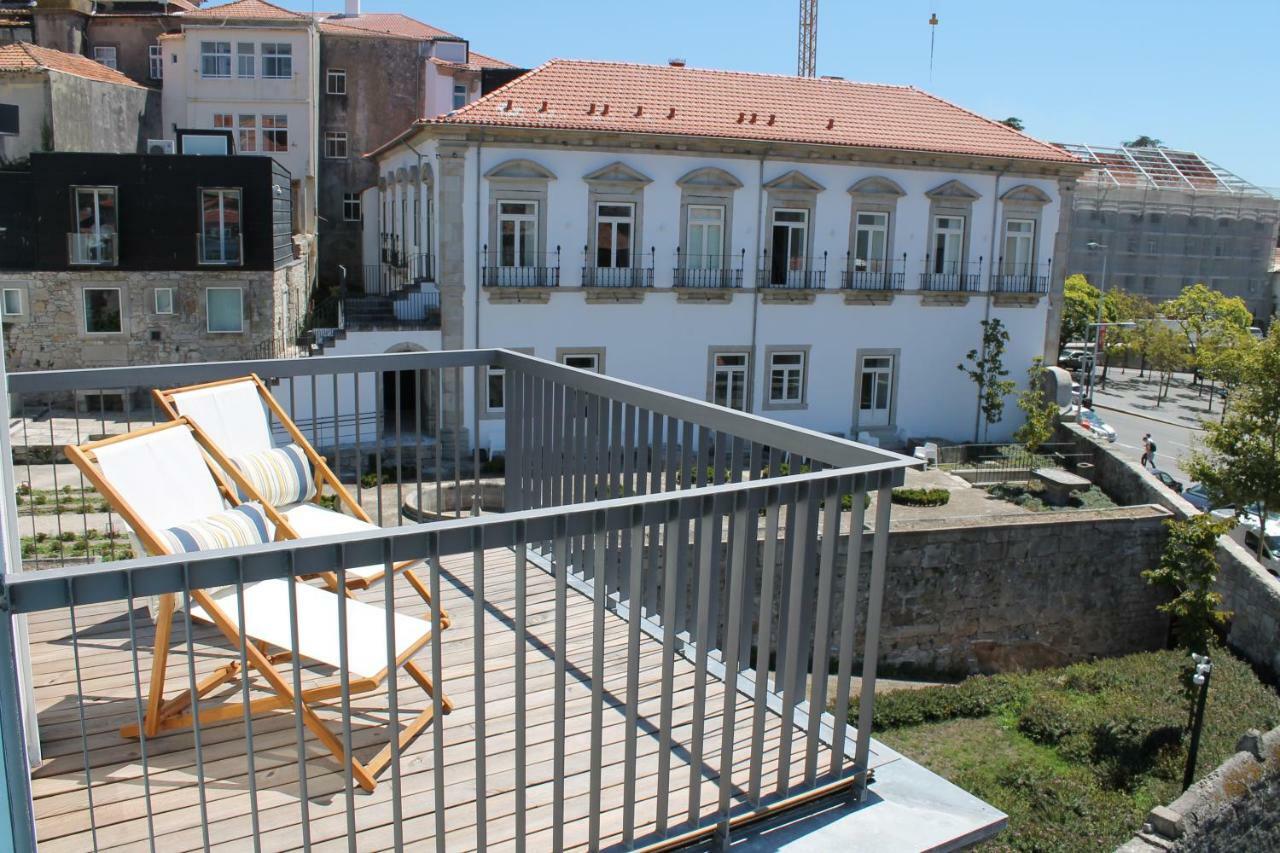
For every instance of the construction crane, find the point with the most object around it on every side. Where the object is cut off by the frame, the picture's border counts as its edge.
(807, 63)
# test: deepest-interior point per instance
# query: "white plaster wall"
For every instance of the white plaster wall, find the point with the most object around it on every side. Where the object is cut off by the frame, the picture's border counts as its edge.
(30, 92)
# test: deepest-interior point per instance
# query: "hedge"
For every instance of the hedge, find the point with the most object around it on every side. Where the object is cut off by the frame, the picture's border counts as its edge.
(921, 497)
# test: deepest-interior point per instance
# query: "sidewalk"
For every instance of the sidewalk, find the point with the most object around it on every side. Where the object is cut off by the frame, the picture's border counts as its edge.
(1183, 406)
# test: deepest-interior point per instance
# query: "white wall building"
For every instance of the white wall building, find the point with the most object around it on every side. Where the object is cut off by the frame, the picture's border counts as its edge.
(249, 68)
(817, 251)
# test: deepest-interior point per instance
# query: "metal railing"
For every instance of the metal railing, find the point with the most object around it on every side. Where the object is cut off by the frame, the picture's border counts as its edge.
(990, 464)
(631, 652)
(220, 250)
(874, 273)
(710, 271)
(793, 273)
(534, 270)
(951, 276)
(1009, 277)
(92, 249)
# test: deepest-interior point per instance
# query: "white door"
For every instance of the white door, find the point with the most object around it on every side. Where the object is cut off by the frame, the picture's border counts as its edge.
(875, 396)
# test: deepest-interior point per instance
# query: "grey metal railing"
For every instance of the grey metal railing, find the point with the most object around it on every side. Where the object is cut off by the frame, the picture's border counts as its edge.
(683, 542)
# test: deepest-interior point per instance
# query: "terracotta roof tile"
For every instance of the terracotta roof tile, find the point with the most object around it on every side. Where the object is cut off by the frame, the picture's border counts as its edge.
(628, 98)
(483, 61)
(247, 10)
(381, 24)
(23, 56)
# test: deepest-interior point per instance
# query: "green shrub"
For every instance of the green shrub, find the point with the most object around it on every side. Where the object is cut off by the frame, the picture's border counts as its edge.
(921, 497)
(40, 500)
(846, 501)
(979, 696)
(66, 536)
(370, 480)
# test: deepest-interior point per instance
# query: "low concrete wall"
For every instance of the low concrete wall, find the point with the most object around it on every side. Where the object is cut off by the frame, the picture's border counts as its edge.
(1248, 589)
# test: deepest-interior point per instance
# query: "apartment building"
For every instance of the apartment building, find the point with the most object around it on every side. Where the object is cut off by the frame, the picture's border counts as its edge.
(1165, 219)
(116, 259)
(819, 251)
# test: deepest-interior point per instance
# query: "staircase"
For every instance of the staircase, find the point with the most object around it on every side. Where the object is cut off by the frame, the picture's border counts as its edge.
(387, 296)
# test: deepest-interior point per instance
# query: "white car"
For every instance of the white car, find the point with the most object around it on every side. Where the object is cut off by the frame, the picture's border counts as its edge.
(1096, 425)
(1249, 519)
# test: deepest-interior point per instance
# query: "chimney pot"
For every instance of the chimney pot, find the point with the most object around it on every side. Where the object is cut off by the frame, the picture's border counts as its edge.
(676, 62)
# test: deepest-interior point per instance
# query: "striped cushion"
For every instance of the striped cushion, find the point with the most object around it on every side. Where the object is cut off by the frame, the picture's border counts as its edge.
(280, 476)
(244, 525)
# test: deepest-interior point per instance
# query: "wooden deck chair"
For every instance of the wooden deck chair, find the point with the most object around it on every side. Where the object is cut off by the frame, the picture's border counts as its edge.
(158, 478)
(233, 419)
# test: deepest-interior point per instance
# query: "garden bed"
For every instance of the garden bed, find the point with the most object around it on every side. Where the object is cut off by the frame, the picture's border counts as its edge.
(1031, 497)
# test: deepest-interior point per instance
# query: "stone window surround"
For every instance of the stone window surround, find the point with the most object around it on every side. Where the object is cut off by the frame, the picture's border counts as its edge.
(708, 186)
(519, 180)
(1022, 202)
(23, 289)
(792, 190)
(244, 319)
(858, 356)
(783, 406)
(616, 183)
(874, 194)
(952, 198)
(564, 352)
(155, 301)
(712, 352)
(486, 413)
(83, 326)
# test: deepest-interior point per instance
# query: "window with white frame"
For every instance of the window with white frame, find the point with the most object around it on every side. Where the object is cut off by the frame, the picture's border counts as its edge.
(155, 61)
(164, 300)
(335, 144)
(106, 55)
(614, 226)
(1019, 246)
(215, 59)
(871, 242)
(948, 244)
(224, 309)
(582, 360)
(248, 128)
(459, 95)
(220, 226)
(705, 238)
(277, 60)
(275, 133)
(517, 233)
(495, 389)
(94, 238)
(335, 81)
(786, 377)
(11, 302)
(729, 380)
(102, 311)
(875, 394)
(246, 59)
(789, 238)
(223, 121)
(351, 207)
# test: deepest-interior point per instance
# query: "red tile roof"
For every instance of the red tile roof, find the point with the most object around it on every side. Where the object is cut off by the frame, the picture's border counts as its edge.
(627, 98)
(22, 56)
(381, 24)
(479, 59)
(247, 10)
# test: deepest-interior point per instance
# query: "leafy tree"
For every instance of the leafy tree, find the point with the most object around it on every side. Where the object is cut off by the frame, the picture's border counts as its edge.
(1221, 357)
(1199, 310)
(1014, 122)
(1080, 308)
(986, 369)
(1144, 141)
(1188, 568)
(1132, 308)
(1041, 412)
(1168, 353)
(1240, 461)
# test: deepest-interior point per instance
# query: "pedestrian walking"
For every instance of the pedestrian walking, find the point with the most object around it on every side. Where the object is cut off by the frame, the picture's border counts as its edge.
(1151, 452)
(1146, 449)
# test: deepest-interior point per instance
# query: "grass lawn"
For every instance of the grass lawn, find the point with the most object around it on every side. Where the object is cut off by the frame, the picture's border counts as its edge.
(1075, 756)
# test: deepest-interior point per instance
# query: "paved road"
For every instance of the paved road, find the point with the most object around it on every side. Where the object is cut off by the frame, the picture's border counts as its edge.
(1173, 443)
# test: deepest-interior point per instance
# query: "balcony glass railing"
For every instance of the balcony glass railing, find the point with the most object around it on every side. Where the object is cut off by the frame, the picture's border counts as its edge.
(92, 248)
(220, 249)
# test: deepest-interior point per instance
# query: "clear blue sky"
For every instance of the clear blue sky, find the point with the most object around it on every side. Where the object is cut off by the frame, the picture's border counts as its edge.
(1202, 75)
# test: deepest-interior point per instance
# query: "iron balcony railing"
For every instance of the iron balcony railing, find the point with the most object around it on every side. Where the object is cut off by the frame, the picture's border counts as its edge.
(1010, 277)
(530, 269)
(90, 248)
(710, 271)
(636, 274)
(874, 273)
(793, 273)
(951, 276)
(631, 653)
(226, 250)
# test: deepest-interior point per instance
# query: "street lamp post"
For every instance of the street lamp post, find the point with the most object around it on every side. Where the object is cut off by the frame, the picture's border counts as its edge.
(1097, 328)
(1204, 669)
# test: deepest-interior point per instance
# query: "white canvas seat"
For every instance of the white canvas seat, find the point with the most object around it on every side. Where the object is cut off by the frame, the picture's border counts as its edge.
(160, 477)
(307, 519)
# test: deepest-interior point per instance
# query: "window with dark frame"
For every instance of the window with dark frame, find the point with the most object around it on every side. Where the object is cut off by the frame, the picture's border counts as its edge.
(495, 392)
(351, 207)
(220, 226)
(102, 311)
(589, 361)
(94, 238)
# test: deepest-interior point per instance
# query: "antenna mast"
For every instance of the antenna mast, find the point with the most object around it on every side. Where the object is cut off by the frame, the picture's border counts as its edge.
(806, 64)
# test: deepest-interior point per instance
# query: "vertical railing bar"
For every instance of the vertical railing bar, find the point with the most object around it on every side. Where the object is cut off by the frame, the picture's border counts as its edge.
(417, 444)
(617, 489)
(702, 574)
(379, 438)
(195, 703)
(721, 534)
(84, 737)
(250, 758)
(481, 713)
(634, 578)
(315, 415)
(457, 443)
(728, 720)
(399, 449)
(141, 717)
(299, 732)
(821, 654)
(688, 479)
(597, 680)
(561, 558)
(439, 389)
(626, 566)
(848, 624)
(355, 377)
(795, 604)
(102, 415)
(26, 442)
(513, 436)
(672, 535)
(437, 680)
(345, 686)
(768, 566)
(57, 510)
(522, 642)
(871, 644)
(393, 692)
(475, 437)
(337, 436)
(754, 462)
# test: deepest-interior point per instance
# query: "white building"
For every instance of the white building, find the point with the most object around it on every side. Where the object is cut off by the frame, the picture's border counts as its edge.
(251, 69)
(818, 251)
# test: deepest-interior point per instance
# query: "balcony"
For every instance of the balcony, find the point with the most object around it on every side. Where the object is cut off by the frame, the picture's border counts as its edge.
(792, 273)
(219, 250)
(528, 270)
(631, 653)
(875, 274)
(617, 276)
(951, 276)
(92, 248)
(1021, 278)
(708, 271)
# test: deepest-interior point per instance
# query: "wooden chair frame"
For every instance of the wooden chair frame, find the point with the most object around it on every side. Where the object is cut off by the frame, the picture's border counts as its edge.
(163, 715)
(322, 474)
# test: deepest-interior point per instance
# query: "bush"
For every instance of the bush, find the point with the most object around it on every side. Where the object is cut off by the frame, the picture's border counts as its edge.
(979, 696)
(921, 497)
(846, 501)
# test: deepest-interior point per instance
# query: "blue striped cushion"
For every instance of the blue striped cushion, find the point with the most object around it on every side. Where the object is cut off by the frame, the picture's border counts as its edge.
(243, 525)
(281, 475)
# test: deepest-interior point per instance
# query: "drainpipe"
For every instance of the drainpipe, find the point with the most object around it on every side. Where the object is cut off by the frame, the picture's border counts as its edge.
(991, 254)
(755, 295)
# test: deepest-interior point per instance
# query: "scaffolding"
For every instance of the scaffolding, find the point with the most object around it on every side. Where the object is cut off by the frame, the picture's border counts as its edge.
(1160, 169)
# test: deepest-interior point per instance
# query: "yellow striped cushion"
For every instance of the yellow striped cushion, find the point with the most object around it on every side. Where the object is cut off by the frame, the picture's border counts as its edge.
(243, 525)
(281, 475)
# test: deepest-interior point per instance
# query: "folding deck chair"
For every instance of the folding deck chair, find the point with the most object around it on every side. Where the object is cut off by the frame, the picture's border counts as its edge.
(233, 418)
(162, 483)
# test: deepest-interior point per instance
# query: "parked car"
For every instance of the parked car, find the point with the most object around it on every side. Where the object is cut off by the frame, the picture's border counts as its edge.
(1096, 425)
(1168, 480)
(1270, 547)
(1075, 359)
(1198, 496)
(1249, 519)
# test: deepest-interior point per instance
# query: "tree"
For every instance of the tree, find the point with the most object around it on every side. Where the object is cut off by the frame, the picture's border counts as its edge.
(1080, 308)
(986, 369)
(1144, 141)
(1128, 308)
(1188, 567)
(1041, 412)
(1014, 122)
(1198, 310)
(1167, 351)
(1239, 463)
(1221, 357)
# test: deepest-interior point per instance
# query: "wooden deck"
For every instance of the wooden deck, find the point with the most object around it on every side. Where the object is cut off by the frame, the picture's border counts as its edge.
(119, 804)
